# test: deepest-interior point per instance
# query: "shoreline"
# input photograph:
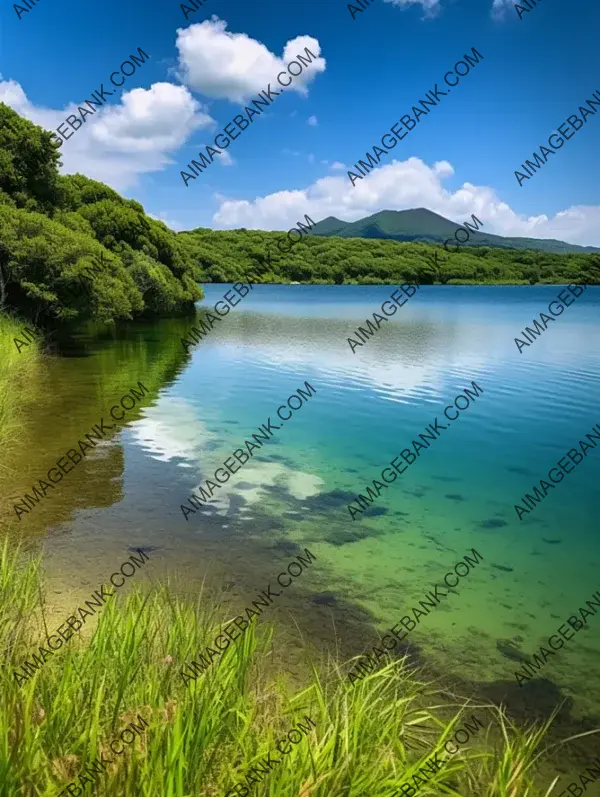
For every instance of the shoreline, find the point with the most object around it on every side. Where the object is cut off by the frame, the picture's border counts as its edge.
(150, 694)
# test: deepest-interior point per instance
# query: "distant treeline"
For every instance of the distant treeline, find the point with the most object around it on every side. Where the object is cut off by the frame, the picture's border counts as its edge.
(72, 249)
(257, 256)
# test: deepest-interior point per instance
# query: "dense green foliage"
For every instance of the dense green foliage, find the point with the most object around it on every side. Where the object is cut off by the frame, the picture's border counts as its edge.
(425, 226)
(256, 256)
(72, 248)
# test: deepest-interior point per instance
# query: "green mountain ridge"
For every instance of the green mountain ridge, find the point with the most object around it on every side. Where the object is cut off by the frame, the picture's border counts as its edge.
(73, 250)
(424, 226)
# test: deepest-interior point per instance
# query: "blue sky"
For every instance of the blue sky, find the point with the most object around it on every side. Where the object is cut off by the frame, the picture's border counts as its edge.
(459, 160)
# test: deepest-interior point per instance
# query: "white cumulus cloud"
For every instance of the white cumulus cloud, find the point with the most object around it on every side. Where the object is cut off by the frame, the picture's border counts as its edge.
(120, 141)
(401, 185)
(225, 159)
(431, 7)
(233, 66)
(500, 6)
(166, 219)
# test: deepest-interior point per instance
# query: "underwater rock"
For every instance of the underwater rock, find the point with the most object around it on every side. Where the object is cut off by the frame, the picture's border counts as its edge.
(345, 537)
(330, 500)
(142, 548)
(493, 523)
(520, 471)
(287, 547)
(511, 651)
(375, 511)
(324, 599)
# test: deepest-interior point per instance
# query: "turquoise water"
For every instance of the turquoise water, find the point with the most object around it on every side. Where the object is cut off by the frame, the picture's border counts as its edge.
(368, 406)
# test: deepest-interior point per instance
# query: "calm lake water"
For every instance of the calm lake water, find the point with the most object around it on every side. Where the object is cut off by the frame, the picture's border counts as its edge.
(293, 494)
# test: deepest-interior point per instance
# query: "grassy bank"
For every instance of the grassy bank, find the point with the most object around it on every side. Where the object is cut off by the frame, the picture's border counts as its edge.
(202, 738)
(16, 372)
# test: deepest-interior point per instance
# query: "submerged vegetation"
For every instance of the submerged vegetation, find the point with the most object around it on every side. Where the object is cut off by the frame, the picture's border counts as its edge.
(204, 738)
(73, 250)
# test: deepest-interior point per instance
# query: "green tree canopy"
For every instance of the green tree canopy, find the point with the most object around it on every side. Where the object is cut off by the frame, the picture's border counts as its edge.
(256, 256)
(73, 249)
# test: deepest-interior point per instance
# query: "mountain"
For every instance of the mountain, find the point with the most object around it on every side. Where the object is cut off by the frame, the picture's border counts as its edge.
(427, 227)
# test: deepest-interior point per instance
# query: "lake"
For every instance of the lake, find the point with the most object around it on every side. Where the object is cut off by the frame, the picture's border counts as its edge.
(367, 406)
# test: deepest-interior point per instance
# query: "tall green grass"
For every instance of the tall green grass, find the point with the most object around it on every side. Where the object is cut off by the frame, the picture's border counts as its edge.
(16, 370)
(202, 739)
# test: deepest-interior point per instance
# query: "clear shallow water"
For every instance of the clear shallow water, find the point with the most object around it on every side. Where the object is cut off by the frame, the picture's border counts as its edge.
(368, 406)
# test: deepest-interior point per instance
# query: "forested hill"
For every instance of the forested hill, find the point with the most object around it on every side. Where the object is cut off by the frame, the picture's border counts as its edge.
(256, 256)
(425, 226)
(72, 249)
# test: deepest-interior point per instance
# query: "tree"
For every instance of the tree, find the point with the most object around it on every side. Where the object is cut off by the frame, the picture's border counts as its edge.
(73, 248)
(28, 162)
